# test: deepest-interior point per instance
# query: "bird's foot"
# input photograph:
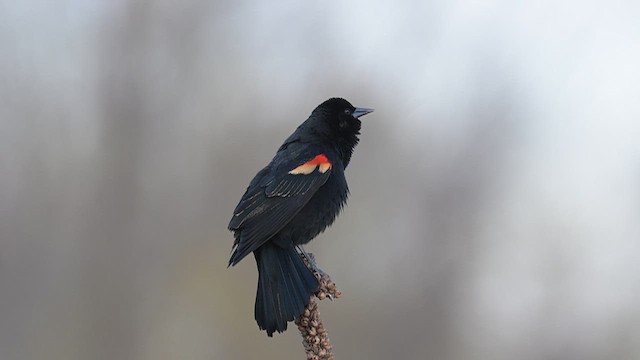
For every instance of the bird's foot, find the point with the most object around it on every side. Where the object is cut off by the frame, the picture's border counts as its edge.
(327, 288)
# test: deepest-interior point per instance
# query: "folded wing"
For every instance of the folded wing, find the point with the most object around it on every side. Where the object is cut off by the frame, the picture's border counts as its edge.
(274, 197)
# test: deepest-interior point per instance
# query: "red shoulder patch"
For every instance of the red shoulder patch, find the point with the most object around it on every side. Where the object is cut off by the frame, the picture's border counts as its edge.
(320, 161)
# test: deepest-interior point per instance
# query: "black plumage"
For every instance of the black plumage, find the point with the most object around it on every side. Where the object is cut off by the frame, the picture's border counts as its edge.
(289, 202)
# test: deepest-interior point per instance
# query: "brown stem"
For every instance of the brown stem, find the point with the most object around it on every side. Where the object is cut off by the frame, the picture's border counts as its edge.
(315, 337)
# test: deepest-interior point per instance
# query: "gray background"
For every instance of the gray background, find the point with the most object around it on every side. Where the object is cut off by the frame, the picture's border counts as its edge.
(495, 193)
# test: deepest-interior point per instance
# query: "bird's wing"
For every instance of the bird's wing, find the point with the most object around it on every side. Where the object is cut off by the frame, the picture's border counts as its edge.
(274, 197)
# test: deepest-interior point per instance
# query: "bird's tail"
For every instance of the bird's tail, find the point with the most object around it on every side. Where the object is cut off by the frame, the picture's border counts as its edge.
(285, 285)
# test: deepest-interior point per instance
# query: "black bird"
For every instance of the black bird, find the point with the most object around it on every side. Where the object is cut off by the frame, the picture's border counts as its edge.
(290, 202)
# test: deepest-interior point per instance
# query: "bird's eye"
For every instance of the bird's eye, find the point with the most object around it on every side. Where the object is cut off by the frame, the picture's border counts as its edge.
(347, 111)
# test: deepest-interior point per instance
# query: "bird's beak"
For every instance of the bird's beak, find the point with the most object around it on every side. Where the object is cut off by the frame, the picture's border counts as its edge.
(361, 112)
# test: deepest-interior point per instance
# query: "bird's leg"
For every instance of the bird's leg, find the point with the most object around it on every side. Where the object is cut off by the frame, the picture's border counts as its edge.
(311, 260)
(327, 288)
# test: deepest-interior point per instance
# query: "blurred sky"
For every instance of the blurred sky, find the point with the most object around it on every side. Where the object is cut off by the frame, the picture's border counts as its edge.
(495, 194)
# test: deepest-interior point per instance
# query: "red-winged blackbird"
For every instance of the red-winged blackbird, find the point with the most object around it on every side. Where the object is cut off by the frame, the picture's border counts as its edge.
(288, 203)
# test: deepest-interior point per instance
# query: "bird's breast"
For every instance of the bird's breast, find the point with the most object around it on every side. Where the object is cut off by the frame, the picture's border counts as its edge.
(320, 212)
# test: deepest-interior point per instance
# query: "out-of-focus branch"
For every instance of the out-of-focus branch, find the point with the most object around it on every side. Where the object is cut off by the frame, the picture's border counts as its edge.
(315, 337)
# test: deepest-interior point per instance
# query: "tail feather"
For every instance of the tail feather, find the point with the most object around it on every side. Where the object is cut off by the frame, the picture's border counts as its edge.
(285, 285)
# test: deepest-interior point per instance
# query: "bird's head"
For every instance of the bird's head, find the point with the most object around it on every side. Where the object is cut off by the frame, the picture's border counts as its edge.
(341, 118)
(339, 122)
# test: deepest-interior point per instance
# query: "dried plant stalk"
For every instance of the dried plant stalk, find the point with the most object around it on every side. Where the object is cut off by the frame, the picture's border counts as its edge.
(315, 338)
